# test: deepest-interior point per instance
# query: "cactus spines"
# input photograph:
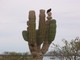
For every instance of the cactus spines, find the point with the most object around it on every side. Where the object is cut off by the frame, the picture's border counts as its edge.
(44, 34)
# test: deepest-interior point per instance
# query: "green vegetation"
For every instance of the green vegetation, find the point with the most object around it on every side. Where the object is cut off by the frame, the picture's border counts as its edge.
(15, 56)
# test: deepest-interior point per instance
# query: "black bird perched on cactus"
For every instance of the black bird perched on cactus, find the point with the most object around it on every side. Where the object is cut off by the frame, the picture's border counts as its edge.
(48, 10)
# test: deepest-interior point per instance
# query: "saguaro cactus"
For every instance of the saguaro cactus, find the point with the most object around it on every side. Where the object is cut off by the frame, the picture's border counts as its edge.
(44, 35)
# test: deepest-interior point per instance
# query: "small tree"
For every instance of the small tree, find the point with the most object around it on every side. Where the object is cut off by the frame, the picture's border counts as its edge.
(69, 49)
(44, 35)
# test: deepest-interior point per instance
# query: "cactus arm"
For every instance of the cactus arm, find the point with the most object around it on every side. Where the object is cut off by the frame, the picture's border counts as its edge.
(32, 27)
(25, 35)
(42, 27)
(52, 31)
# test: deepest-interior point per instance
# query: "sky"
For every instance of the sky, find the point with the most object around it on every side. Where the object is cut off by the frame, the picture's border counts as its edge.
(14, 15)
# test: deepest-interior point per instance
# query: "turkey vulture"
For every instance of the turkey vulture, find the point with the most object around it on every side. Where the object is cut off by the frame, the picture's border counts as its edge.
(48, 10)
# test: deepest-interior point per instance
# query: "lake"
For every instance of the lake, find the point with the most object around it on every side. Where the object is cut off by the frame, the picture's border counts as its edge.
(51, 58)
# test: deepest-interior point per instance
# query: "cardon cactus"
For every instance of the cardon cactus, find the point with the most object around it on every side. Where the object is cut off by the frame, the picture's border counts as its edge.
(44, 34)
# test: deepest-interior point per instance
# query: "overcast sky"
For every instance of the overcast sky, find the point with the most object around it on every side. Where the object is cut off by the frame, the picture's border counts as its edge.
(14, 15)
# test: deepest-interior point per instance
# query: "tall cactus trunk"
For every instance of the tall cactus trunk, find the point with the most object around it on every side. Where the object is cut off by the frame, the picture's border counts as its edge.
(44, 35)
